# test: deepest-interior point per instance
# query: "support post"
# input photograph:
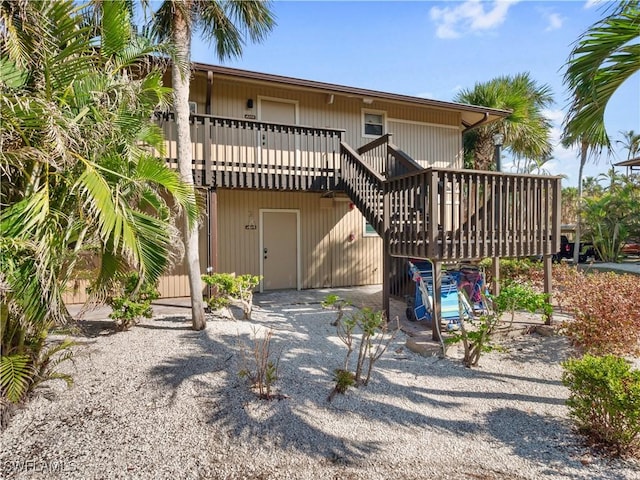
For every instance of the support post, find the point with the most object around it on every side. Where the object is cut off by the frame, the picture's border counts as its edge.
(212, 233)
(437, 301)
(548, 287)
(386, 256)
(495, 273)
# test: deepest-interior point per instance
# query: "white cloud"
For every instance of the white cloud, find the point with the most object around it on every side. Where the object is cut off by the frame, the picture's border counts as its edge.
(470, 16)
(555, 22)
(593, 3)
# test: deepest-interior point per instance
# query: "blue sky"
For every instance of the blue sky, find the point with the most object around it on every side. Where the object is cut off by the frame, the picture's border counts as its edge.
(433, 49)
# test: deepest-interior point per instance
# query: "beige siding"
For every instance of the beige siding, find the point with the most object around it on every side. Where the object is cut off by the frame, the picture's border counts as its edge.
(425, 143)
(328, 258)
(429, 135)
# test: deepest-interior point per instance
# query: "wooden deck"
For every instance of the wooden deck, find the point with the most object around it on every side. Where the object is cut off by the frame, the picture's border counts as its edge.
(239, 153)
(444, 215)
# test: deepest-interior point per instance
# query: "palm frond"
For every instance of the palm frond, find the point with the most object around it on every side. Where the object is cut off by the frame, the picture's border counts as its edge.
(16, 373)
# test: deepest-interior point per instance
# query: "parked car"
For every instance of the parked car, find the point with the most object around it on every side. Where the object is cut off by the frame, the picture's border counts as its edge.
(631, 248)
(587, 250)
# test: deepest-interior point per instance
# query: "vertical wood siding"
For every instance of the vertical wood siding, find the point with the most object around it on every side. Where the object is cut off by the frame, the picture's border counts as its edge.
(328, 258)
(418, 134)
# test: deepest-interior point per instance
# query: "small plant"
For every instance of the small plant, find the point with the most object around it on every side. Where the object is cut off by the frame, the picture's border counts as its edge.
(513, 296)
(374, 338)
(344, 379)
(264, 373)
(338, 304)
(29, 358)
(518, 296)
(605, 401)
(132, 301)
(229, 287)
(31, 361)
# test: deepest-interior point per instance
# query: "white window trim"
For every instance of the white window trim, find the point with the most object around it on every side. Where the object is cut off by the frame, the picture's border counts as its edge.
(364, 229)
(364, 111)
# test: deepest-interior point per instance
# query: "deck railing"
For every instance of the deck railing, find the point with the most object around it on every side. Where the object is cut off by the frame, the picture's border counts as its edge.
(240, 153)
(462, 214)
(364, 185)
(445, 214)
(382, 156)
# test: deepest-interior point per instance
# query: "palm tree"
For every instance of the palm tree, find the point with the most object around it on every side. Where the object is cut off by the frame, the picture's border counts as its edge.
(602, 59)
(77, 171)
(631, 142)
(227, 24)
(526, 131)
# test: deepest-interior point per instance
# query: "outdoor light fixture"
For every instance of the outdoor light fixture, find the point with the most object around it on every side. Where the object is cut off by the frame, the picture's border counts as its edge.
(250, 103)
(498, 140)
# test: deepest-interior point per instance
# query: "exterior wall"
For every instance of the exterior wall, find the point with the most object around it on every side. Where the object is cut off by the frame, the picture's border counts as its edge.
(328, 258)
(428, 135)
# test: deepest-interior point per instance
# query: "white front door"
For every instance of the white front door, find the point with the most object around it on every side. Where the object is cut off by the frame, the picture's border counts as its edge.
(279, 249)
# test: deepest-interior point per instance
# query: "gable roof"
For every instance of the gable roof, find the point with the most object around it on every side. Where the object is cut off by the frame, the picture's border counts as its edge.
(472, 115)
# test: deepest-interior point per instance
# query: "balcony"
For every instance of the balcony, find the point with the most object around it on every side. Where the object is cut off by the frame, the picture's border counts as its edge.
(238, 153)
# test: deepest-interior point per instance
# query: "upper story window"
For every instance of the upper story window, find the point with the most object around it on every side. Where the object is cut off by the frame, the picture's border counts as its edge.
(373, 123)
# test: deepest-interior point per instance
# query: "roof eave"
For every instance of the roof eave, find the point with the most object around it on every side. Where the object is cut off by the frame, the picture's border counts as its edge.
(473, 116)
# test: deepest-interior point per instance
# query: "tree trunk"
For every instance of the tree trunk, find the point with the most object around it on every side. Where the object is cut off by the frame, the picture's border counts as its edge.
(181, 84)
(584, 149)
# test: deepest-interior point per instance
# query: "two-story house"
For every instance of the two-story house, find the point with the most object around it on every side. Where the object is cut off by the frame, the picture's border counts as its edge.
(312, 185)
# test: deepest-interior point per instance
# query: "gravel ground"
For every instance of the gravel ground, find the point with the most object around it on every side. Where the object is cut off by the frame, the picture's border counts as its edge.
(162, 401)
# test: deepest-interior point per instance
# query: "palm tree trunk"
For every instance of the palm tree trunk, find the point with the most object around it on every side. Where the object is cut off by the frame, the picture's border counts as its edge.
(584, 149)
(181, 84)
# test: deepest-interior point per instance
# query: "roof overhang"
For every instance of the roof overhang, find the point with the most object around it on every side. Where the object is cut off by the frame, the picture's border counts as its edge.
(472, 116)
(634, 162)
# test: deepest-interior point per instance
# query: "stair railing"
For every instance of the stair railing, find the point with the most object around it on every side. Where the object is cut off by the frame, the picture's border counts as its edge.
(364, 186)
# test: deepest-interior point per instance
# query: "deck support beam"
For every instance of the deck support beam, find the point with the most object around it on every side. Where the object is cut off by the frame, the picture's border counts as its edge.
(495, 274)
(212, 233)
(386, 255)
(437, 302)
(548, 287)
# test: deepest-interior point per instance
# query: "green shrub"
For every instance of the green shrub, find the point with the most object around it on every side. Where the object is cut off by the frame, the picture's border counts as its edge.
(131, 301)
(475, 333)
(518, 270)
(605, 401)
(28, 359)
(228, 287)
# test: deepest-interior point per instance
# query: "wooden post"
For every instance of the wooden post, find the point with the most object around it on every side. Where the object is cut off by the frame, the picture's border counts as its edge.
(437, 301)
(495, 273)
(548, 287)
(212, 234)
(386, 257)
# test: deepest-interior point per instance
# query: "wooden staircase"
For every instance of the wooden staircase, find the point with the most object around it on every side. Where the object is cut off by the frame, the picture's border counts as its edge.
(449, 215)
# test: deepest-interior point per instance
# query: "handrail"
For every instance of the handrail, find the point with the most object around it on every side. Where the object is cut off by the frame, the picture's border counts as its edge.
(170, 115)
(369, 170)
(364, 185)
(244, 153)
(405, 159)
(374, 144)
(461, 214)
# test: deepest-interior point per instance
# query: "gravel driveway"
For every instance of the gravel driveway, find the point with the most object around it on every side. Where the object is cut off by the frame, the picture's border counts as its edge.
(162, 401)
